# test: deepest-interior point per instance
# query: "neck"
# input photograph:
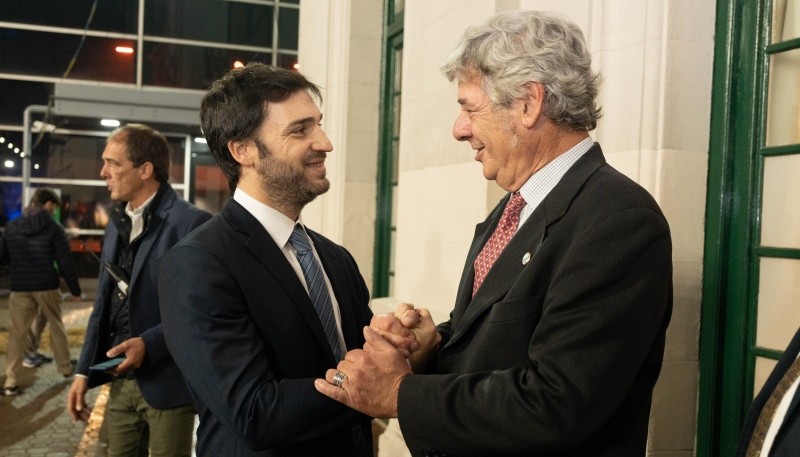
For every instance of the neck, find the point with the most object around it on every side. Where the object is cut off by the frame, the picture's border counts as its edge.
(548, 145)
(254, 189)
(144, 193)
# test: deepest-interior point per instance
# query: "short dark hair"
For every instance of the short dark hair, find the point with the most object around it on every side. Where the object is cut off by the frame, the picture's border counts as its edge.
(237, 104)
(145, 144)
(43, 195)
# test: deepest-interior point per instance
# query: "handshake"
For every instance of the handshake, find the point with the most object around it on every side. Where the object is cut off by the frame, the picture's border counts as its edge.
(396, 345)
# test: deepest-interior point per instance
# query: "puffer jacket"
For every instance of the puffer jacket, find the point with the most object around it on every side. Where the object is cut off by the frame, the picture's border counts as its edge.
(35, 247)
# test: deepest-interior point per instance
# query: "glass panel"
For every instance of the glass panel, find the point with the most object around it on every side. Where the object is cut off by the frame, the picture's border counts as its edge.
(763, 369)
(394, 207)
(49, 54)
(780, 220)
(397, 78)
(783, 103)
(210, 20)
(778, 313)
(115, 16)
(15, 96)
(288, 21)
(395, 160)
(192, 67)
(10, 161)
(68, 157)
(396, 116)
(288, 62)
(10, 201)
(83, 207)
(211, 189)
(785, 20)
(399, 6)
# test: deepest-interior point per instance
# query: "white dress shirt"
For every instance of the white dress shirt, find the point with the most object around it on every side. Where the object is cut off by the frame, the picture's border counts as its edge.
(280, 228)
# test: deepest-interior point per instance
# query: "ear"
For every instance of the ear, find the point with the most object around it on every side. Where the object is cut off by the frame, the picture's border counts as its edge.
(241, 152)
(533, 103)
(146, 170)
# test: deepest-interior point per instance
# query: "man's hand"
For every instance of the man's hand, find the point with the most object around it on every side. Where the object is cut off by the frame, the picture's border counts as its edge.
(373, 378)
(409, 322)
(134, 351)
(76, 400)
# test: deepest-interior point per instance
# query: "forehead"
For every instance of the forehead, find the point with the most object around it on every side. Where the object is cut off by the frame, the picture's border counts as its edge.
(116, 150)
(471, 92)
(298, 106)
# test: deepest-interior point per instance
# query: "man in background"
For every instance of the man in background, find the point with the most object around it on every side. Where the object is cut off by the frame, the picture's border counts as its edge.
(36, 249)
(149, 404)
(557, 335)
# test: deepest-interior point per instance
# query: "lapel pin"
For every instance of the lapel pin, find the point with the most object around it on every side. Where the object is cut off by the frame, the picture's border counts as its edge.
(526, 258)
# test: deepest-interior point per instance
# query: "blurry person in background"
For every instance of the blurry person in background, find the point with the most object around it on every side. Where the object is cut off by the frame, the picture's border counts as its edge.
(35, 246)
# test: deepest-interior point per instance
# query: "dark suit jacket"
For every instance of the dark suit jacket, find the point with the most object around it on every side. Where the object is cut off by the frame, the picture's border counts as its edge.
(245, 334)
(159, 378)
(556, 357)
(788, 437)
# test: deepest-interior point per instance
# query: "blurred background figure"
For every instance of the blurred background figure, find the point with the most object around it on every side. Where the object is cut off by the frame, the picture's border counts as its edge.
(36, 249)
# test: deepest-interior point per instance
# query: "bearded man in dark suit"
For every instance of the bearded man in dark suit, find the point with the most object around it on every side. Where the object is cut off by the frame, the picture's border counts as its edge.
(256, 304)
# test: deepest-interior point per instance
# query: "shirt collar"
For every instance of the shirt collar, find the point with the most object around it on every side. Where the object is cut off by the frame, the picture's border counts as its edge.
(545, 179)
(274, 222)
(138, 211)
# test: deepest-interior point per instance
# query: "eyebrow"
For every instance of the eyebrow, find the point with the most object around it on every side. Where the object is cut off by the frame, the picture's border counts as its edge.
(302, 122)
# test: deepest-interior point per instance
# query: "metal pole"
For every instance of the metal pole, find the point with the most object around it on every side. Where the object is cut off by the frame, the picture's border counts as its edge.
(26, 149)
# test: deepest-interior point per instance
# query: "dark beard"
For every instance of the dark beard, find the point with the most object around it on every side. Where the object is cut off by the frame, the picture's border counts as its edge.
(284, 185)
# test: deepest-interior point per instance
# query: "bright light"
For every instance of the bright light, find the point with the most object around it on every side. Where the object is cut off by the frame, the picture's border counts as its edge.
(200, 139)
(238, 64)
(124, 49)
(16, 150)
(296, 66)
(22, 155)
(10, 145)
(36, 166)
(9, 164)
(2, 139)
(109, 122)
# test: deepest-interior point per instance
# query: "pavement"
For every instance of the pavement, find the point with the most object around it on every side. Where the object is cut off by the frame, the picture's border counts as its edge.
(35, 422)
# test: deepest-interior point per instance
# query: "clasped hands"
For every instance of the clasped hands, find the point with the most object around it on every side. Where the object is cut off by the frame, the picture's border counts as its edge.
(395, 346)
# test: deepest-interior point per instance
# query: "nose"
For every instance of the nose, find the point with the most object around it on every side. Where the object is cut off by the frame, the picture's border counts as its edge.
(461, 128)
(103, 172)
(322, 143)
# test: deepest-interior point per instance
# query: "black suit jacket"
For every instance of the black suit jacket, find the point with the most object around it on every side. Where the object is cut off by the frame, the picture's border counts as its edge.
(557, 356)
(788, 438)
(246, 337)
(158, 378)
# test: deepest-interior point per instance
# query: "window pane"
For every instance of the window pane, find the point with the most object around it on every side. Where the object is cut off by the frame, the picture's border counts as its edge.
(763, 369)
(110, 16)
(15, 96)
(288, 61)
(783, 103)
(191, 67)
(10, 201)
(785, 20)
(210, 20)
(10, 161)
(780, 221)
(22, 53)
(778, 313)
(288, 28)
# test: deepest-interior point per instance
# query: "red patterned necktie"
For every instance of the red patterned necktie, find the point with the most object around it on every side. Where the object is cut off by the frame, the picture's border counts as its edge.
(497, 242)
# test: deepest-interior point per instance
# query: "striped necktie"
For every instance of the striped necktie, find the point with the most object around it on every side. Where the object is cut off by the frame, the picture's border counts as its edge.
(317, 290)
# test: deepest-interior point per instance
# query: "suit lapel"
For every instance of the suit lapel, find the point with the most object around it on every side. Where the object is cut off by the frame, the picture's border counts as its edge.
(271, 257)
(528, 239)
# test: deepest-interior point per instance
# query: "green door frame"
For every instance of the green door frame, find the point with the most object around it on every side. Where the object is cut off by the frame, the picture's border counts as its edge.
(387, 163)
(733, 215)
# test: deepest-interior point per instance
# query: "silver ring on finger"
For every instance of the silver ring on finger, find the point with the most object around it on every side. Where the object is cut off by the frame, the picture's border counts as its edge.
(338, 378)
